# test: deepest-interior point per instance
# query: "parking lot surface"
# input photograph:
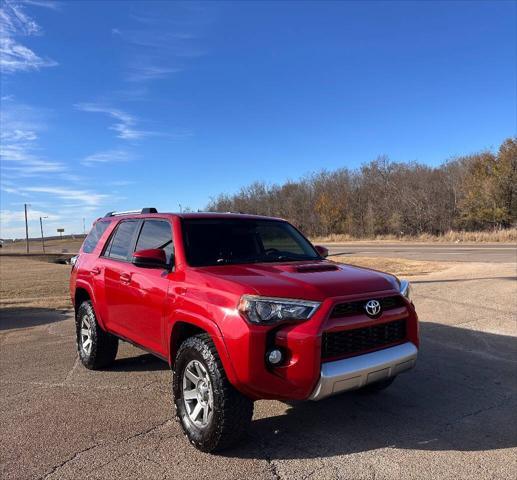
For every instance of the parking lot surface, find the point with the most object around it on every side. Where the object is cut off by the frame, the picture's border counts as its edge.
(453, 417)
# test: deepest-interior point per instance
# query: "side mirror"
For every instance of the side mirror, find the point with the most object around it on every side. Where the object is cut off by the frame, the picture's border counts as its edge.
(323, 251)
(150, 258)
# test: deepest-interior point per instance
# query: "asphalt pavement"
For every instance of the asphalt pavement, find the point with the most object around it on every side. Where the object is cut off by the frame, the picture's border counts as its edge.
(453, 417)
(446, 252)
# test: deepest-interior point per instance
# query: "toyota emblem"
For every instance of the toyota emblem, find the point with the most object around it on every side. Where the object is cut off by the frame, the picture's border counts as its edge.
(372, 308)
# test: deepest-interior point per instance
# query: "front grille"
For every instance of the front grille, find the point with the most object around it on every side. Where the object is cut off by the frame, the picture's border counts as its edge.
(357, 308)
(350, 342)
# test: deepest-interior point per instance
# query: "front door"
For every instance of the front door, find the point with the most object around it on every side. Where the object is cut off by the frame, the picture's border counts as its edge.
(148, 287)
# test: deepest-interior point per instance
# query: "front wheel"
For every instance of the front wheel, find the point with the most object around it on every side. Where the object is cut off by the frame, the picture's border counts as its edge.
(212, 413)
(97, 348)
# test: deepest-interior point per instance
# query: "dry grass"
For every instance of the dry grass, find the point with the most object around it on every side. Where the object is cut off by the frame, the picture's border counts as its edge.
(26, 282)
(498, 236)
(34, 283)
(395, 266)
(56, 245)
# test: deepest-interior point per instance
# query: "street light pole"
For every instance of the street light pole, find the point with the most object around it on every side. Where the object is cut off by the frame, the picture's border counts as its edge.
(42, 237)
(26, 228)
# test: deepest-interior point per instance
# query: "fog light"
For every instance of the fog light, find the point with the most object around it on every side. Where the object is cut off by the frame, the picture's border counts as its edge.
(275, 356)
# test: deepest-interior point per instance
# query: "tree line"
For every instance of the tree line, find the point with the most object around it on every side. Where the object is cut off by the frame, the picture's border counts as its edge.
(382, 197)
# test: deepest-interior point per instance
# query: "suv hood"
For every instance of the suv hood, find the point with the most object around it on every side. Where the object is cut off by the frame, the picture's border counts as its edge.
(309, 280)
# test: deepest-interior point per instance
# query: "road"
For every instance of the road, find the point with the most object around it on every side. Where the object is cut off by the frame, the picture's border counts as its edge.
(492, 253)
(452, 417)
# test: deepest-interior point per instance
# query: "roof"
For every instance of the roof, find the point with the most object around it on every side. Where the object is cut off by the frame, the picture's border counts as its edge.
(225, 215)
(191, 215)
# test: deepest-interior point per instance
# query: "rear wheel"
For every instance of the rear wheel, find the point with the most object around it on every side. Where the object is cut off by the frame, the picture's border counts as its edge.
(212, 413)
(97, 348)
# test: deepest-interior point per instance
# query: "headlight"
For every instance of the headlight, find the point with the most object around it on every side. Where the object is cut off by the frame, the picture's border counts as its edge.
(405, 289)
(267, 311)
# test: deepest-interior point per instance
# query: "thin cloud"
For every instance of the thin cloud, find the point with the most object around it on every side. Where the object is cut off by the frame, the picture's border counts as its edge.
(18, 143)
(51, 4)
(108, 156)
(18, 216)
(163, 45)
(142, 73)
(124, 123)
(15, 57)
(86, 197)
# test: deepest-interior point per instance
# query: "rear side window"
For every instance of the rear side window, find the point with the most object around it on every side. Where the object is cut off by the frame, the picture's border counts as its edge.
(90, 242)
(156, 234)
(119, 247)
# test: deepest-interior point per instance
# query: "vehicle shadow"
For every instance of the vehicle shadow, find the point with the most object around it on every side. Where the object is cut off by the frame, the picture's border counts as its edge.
(140, 363)
(26, 317)
(461, 396)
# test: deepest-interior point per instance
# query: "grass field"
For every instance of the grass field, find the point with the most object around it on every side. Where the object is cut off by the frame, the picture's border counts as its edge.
(508, 235)
(396, 266)
(30, 283)
(55, 245)
(36, 283)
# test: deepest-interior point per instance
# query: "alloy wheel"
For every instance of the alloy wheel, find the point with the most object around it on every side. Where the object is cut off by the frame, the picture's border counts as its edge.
(197, 394)
(86, 335)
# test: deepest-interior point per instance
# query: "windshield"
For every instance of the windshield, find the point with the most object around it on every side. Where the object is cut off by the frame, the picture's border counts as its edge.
(231, 241)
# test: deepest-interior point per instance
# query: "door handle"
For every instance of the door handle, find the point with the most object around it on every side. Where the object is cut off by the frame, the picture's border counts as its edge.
(125, 277)
(95, 271)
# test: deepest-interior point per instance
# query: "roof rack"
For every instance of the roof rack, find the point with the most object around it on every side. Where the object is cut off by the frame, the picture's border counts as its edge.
(129, 212)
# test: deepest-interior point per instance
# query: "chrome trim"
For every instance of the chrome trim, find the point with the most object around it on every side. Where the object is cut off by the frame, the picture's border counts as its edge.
(356, 372)
(405, 288)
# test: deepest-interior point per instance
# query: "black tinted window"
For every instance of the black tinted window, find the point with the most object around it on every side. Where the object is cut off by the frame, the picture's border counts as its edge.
(275, 236)
(90, 242)
(156, 234)
(219, 242)
(120, 244)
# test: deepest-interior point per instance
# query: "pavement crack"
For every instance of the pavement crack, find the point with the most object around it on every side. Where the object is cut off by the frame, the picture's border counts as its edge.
(145, 432)
(269, 460)
(481, 410)
(91, 447)
(72, 370)
(55, 468)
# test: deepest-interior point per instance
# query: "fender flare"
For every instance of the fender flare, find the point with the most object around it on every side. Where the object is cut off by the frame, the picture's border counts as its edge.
(81, 284)
(210, 327)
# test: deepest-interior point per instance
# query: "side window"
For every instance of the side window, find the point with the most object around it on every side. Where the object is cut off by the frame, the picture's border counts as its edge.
(90, 242)
(121, 242)
(156, 234)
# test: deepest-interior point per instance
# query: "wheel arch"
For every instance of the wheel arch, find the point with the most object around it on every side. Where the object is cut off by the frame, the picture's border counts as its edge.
(81, 295)
(84, 292)
(188, 326)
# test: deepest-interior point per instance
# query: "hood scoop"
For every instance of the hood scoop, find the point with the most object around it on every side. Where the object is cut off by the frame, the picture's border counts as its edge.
(316, 267)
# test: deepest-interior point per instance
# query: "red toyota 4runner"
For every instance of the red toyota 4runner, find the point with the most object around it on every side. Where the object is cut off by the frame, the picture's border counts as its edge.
(242, 308)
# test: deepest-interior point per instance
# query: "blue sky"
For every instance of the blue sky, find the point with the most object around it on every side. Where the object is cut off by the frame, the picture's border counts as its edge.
(120, 105)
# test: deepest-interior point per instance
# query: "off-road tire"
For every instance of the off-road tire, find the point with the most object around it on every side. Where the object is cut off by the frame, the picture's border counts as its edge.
(232, 411)
(104, 345)
(377, 386)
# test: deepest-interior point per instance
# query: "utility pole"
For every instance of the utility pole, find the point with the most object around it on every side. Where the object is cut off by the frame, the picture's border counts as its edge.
(42, 237)
(26, 228)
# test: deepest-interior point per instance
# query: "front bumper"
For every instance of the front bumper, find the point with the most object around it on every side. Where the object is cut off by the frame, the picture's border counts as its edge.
(356, 372)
